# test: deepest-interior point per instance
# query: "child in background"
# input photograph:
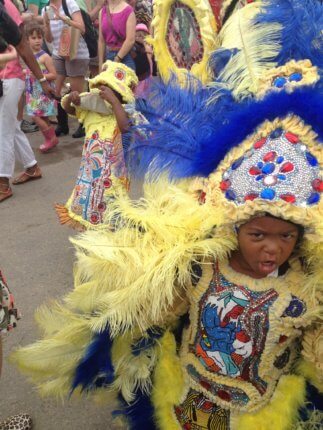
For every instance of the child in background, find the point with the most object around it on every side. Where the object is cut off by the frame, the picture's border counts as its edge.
(102, 172)
(38, 105)
(143, 57)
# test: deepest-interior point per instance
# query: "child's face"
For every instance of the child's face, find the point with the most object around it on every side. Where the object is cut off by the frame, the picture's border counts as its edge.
(265, 243)
(140, 36)
(35, 41)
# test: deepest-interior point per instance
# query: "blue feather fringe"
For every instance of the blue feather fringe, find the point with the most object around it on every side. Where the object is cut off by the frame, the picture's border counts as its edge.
(139, 414)
(95, 368)
(302, 24)
(188, 137)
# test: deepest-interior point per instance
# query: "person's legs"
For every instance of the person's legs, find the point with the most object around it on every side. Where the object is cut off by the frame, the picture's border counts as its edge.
(62, 118)
(76, 71)
(8, 116)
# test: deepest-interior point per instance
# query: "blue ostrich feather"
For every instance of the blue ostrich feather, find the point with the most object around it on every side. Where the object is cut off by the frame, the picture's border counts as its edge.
(194, 143)
(302, 24)
(139, 413)
(95, 369)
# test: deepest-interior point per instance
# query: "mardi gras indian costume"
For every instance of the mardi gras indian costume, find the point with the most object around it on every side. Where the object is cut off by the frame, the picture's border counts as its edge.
(157, 314)
(102, 171)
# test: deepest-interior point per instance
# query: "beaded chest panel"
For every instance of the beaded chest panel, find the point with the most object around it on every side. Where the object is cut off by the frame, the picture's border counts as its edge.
(183, 37)
(233, 324)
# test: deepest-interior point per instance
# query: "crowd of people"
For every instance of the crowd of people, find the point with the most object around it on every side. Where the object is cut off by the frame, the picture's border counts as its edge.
(198, 306)
(56, 32)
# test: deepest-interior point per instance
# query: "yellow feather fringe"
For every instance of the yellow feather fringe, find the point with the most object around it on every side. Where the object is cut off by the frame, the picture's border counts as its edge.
(282, 411)
(168, 384)
(147, 261)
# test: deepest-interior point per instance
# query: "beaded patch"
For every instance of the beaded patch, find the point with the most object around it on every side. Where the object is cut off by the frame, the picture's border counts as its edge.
(279, 167)
(183, 36)
(233, 322)
(197, 413)
(295, 309)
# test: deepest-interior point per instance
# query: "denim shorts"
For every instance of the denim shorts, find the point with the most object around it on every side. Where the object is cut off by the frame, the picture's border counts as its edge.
(127, 60)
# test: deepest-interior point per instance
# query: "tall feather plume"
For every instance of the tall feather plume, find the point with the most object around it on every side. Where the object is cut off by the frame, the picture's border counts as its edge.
(302, 24)
(258, 45)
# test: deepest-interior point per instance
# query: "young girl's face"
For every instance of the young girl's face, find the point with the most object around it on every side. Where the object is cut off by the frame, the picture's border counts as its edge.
(265, 243)
(35, 41)
(140, 36)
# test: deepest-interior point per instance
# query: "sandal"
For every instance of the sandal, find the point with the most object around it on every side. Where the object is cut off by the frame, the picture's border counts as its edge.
(26, 176)
(5, 192)
(17, 422)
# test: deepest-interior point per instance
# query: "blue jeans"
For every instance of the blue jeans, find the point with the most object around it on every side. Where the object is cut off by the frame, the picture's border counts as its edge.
(127, 60)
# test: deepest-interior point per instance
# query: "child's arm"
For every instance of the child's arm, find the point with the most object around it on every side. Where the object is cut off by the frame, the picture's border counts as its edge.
(48, 62)
(10, 55)
(122, 119)
(74, 98)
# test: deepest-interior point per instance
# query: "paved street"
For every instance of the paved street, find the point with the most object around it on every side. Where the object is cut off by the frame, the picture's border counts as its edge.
(36, 258)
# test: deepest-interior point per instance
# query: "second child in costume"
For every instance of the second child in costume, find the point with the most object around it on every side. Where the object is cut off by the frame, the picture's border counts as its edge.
(102, 172)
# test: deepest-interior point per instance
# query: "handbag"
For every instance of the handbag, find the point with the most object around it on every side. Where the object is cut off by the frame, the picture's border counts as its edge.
(69, 43)
(91, 35)
(65, 43)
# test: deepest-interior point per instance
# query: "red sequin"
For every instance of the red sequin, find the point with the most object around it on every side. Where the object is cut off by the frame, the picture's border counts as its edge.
(283, 338)
(287, 167)
(317, 184)
(205, 385)
(260, 143)
(292, 138)
(289, 198)
(270, 156)
(224, 185)
(224, 395)
(254, 171)
(107, 183)
(251, 196)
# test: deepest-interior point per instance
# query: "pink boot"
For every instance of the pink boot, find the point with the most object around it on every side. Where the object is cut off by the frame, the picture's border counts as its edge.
(51, 139)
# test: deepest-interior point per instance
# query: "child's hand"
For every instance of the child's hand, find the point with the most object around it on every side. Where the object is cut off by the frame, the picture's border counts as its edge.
(107, 94)
(74, 98)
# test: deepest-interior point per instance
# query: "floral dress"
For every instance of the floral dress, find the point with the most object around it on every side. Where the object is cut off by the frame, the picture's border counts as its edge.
(8, 312)
(37, 102)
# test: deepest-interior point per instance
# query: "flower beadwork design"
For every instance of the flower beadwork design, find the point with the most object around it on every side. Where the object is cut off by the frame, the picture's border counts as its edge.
(120, 74)
(270, 170)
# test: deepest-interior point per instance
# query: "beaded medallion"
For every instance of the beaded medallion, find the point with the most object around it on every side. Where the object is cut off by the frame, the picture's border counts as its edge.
(183, 36)
(277, 168)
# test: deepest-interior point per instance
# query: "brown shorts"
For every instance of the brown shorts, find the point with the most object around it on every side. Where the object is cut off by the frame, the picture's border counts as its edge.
(71, 68)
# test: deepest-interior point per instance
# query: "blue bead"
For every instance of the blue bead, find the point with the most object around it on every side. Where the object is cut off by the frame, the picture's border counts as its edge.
(237, 163)
(296, 77)
(267, 194)
(260, 164)
(280, 82)
(311, 159)
(280, 159)
(281, 177)
(260, 177)
(268, 168)
(230, 195)
(313, 198)
(276, 133)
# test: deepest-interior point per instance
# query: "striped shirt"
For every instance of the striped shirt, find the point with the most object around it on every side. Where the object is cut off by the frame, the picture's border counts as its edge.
(57, 25)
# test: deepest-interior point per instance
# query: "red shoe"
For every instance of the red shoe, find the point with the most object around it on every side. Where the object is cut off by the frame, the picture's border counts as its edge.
(51, 140)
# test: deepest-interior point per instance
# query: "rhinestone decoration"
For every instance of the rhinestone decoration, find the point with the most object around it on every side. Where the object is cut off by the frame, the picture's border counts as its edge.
(295, 309)
(277, 168)
(281, 81)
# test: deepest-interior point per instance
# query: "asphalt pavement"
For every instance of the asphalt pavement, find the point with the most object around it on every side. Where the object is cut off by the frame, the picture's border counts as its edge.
(37, 258)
